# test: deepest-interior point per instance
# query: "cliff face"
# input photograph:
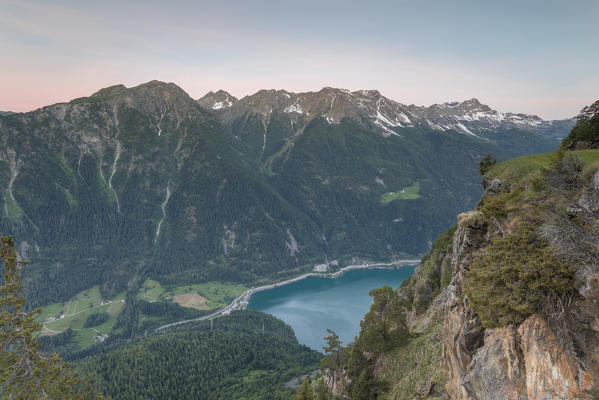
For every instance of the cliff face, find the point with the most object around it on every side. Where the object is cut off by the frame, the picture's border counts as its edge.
(525, 362)
(533, 360)
(506, 303)
(553, 350)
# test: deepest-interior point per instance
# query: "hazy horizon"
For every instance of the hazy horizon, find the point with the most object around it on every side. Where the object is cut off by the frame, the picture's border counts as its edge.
(239, 97)
(533, 58)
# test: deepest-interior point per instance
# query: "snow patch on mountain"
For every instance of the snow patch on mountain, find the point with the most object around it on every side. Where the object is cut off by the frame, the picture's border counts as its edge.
(371, 109)
(589, 111)
(222, 104)
(296, 108)
(217, 101)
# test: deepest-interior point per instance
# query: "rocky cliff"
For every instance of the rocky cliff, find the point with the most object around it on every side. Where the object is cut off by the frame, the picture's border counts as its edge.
(531, 360)
(506, 303)
(553, 352)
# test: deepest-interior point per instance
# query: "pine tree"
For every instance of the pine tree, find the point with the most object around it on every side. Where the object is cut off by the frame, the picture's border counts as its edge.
(486, 163)
(322, 392)
(25, 372)
(333, 347)
(305, 392)
(365, 387)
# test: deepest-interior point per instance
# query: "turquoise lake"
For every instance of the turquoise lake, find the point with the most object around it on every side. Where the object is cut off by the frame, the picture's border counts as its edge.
(312, 305)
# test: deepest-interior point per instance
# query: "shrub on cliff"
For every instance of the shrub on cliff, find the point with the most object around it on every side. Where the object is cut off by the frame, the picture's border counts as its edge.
(421, 288)
(585, 135)
(565, 172)
(510, 278)
(384, 326)
(486, 163)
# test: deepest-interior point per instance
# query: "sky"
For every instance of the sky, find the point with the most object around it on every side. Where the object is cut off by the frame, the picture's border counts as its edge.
(533, 56)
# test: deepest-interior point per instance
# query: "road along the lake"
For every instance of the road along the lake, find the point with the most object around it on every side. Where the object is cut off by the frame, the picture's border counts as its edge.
(241, 302)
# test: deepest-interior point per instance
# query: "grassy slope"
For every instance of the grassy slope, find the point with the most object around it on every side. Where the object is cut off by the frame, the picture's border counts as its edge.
(410, 368)
(525, 169)
(76, 311)
(408, 193)
(413, 366)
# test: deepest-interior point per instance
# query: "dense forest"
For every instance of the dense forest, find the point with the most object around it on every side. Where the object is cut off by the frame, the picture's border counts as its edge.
(247, 355)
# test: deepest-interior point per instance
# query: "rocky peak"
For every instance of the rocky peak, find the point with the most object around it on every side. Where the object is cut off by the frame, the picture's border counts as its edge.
(372, 109)
(110, 91)
(161, 101)
(266, 99)
(161, 92)
(217, 100)
(153, 96)
(97, 121)
(367, 107)
(473, 104)
(588, 112)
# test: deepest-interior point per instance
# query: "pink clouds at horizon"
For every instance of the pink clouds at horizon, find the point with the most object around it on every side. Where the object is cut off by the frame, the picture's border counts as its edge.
(28, 94)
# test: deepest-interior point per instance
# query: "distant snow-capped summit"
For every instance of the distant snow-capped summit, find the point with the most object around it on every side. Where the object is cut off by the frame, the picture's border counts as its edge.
(218, 100)
(372, 109)
(589, 111)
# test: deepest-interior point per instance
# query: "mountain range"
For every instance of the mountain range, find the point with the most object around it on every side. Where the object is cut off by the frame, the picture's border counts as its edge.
(504, 306)
(373, 110)
(140, 182)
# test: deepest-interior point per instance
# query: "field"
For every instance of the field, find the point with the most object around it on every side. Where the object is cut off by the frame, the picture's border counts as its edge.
(203, 296)
(193, 300)
(408, 193)
(150, 291)
(56, 318)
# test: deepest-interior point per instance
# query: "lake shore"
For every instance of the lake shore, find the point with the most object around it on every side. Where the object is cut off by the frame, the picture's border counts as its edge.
(242, 301)
(336, 274)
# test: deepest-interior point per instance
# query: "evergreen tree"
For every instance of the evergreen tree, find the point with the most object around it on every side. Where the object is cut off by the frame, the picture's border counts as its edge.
(366, 386)
(305, 392)
(333, 348)
(25, 372)
(486, 163)
(322, 392)
(383, 327)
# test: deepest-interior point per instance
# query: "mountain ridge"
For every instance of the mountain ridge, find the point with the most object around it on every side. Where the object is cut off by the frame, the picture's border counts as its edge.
(144, 181)
(469, 116)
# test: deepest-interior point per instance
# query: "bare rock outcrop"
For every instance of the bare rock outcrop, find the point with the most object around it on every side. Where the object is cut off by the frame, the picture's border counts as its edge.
(551, 372)
(462, 331)
(497, 368)
(337, 382)
(529, 361)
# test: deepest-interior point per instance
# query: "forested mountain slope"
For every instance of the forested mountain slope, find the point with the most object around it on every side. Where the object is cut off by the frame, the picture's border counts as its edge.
(247, 355)
(140, 182)
(504, 306)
